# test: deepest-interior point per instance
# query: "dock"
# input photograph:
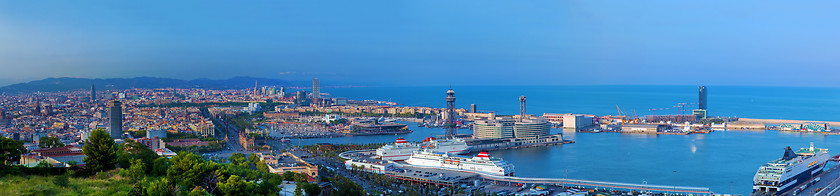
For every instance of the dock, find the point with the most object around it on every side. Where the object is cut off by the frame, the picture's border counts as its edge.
(781, 121)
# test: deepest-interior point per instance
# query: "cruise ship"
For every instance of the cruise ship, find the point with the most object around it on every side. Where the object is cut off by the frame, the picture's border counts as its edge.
(398, 151)
(402, 149)
(454, 146)
(792, 169)
(482, 162)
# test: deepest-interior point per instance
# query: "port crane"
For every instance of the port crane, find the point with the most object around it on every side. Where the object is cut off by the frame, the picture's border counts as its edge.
(655, 109)
(624, 119)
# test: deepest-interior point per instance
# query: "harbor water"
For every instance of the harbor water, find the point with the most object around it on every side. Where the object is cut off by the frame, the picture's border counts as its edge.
(723, 160)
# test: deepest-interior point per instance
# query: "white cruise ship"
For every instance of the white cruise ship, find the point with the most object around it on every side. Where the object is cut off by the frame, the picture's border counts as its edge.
(454, 146)
(402, 149)
(792, 169)
(398, 151)
(482, 162)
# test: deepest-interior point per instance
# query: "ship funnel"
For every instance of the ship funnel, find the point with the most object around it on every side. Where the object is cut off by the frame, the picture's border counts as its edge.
(789, 154)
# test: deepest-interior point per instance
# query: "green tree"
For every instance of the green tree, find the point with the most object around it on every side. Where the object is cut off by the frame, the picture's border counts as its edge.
(162, 187)
(233, 186)
(161, 164)
(190, 170)
(311, 189)
(136, 171)
(44, 164)
(134, 150)
(137, 190)
(198, 191)
(100, 151)
(49, 142)
(237, 158)
(10, 150)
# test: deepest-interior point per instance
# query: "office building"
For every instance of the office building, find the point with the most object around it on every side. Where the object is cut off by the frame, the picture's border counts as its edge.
(92, 94)
(115, 113)
(493, 128)
(300, 97)
(316, 89)
(473, 108)
(531, 127)
(159, 133)
(703, 98)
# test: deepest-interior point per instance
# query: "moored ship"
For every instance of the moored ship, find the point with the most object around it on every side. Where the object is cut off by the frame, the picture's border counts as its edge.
(794, 168)
(399, 150)
(481, 163)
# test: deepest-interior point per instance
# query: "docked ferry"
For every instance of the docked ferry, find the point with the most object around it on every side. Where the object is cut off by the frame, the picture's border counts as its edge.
(794, 168)
(398, 151)
(454, 146)
(482, 162)
(402, 149)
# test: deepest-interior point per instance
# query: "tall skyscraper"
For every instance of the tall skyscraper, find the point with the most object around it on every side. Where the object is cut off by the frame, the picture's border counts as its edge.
(282, 92)
(300, 97)
(703, 98)
(115, 110)
(473, 108)
(316, 89)
(92, 94)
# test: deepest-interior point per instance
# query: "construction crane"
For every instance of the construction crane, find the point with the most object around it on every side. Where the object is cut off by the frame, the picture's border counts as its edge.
(654, 111)
(680, 107)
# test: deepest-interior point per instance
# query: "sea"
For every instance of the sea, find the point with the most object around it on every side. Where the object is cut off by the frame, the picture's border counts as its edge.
(724, 161)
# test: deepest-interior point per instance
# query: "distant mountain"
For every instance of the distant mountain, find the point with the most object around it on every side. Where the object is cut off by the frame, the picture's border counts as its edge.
(65, 84)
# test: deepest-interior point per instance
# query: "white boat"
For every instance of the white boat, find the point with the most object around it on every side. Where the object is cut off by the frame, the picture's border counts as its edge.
(454, 146)
(482, 162)
(794, 168)
(398, 151)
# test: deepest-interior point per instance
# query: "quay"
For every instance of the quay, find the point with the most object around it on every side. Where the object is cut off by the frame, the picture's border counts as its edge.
(781, 121)
(361, 160)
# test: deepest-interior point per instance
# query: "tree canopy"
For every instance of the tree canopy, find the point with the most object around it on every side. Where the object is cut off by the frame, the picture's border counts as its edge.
(49, 142)
(100, 151)
(10, 150)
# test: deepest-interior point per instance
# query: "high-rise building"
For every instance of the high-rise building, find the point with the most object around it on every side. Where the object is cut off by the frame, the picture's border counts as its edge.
(115, 113)
(473, 108)
(700, 112)
(282, 92)
(300, 97)
(92, 94)
(316, 89)
(703, 98)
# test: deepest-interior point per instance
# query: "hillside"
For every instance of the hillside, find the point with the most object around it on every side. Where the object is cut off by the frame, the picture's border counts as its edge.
(65, 84)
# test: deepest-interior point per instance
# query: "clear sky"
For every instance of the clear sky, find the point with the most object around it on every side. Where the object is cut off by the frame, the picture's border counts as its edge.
(428, 42)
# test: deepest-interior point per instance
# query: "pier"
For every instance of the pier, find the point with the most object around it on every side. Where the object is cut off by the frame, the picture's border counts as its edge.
(564, 182)
(781, 121)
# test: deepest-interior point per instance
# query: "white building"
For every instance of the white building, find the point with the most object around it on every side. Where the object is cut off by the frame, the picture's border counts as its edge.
(576, 121)
(252, 107)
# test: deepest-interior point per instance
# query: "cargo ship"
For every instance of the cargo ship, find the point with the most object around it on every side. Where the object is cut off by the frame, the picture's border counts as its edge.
(794, 168)
(481, 163)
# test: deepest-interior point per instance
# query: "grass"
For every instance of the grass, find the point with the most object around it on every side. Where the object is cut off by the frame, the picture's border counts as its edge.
(110, 184)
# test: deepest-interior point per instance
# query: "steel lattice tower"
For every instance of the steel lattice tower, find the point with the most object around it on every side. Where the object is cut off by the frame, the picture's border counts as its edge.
(450, 109)
(522, 107)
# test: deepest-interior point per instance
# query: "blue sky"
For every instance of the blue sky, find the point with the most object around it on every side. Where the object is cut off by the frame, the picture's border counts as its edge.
(430, 42)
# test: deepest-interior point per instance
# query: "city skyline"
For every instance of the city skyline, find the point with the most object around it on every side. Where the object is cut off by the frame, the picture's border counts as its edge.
(429, 43)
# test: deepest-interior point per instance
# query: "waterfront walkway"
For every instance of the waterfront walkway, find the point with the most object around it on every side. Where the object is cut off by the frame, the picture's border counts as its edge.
(600, 185)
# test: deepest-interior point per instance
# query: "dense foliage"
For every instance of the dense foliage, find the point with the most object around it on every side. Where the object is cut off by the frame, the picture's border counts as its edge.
(49, 142)
(100, 151)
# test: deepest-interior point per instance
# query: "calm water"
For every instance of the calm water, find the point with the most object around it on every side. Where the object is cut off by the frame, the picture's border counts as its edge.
(717, 160)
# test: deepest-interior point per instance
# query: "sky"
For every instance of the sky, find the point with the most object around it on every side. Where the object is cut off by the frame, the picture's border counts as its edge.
(428, 42)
